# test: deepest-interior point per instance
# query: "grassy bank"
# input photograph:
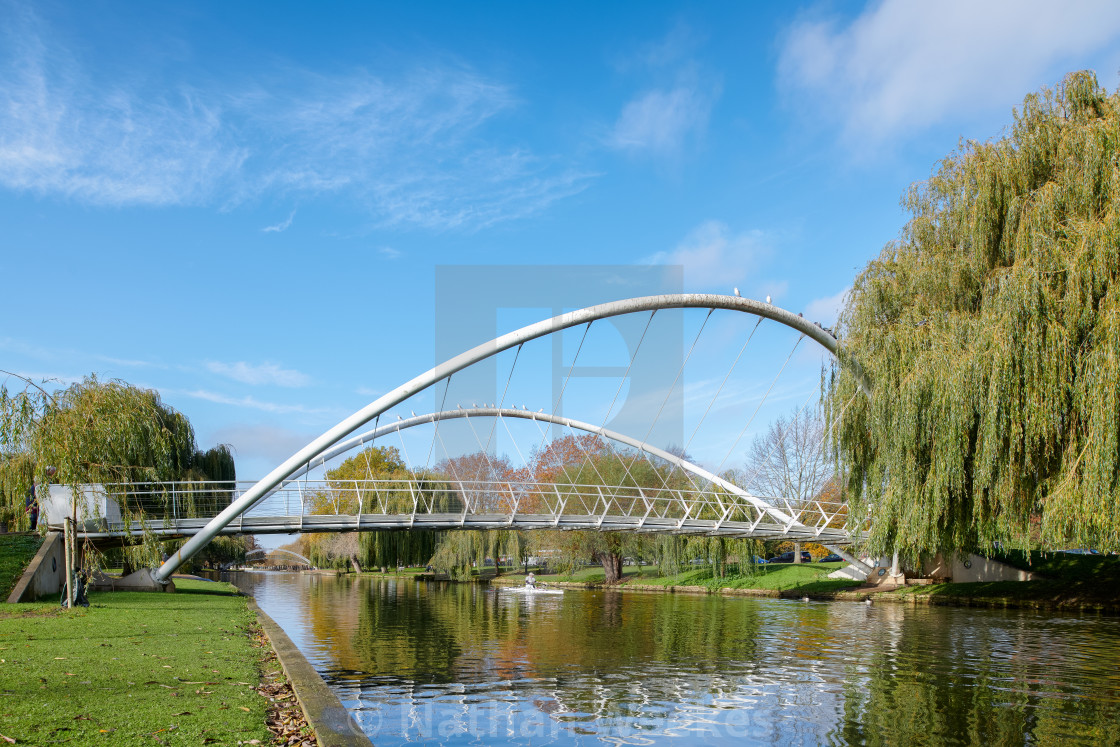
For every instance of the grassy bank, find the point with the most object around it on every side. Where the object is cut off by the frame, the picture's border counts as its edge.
(133, 668)
(805, 578)
(16, 551)
(1074, 582)
(1065, 582)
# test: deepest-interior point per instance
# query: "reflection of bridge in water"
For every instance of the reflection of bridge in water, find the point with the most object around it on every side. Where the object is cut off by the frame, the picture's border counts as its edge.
(266, 552)
(675, 495)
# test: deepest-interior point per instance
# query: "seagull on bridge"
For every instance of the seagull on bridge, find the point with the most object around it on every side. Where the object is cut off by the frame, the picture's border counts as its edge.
(767, 298)
(736, 292)
(413, 413)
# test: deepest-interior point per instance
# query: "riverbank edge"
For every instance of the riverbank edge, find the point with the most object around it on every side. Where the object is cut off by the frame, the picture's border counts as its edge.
(894, 595)
(334, 726)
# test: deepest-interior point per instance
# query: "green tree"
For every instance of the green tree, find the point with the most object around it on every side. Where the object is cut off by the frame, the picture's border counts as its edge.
(989, 333)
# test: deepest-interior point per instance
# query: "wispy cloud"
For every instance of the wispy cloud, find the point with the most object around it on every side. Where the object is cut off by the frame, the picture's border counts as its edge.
(264, 441)
(661, 119)
(389, 252)
(255, 404)
(264, 373)
(826, 310)
(282, 226)
(712, 256)
(901, 66)
(41, 353)
(48, 381)
(415, 148)
(103, 144)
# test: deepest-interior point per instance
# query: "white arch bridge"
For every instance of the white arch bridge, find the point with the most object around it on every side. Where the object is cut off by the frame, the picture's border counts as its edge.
(648, 489)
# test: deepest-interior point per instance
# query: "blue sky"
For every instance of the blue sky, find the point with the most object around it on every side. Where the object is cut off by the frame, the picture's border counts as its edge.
(244, 205)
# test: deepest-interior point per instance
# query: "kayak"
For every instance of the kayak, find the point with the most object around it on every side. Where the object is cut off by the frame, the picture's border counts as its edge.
(531, 590)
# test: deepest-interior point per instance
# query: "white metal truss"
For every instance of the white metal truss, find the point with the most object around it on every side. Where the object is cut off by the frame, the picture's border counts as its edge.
(434, 503)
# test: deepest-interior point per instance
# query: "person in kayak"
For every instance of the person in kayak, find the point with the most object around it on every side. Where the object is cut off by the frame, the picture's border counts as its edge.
(531, 581)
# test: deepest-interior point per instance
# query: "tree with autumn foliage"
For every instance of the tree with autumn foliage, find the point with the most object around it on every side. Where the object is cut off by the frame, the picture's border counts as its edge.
(575, 465)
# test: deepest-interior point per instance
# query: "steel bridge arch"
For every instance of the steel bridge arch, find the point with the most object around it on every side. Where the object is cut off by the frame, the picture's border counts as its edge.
(478, 353)
(280, 549)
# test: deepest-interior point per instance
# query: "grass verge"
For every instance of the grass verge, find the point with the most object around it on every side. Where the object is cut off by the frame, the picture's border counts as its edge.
(16, 551)
(134, 668)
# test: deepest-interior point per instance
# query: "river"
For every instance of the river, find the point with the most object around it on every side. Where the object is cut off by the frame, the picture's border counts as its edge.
(462, 664)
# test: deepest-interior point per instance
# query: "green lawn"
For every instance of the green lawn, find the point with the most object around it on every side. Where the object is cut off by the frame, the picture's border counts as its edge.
(805, 578)
(133, 668)
(1061, 566)
(16, 551)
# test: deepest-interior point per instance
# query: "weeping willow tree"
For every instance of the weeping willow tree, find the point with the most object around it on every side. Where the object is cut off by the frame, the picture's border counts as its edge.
(989, 335)
(458, 552)
(106, 432)
(377, 480)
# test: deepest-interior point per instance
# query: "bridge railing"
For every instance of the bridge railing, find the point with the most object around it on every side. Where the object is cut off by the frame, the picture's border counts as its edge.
(494, 498)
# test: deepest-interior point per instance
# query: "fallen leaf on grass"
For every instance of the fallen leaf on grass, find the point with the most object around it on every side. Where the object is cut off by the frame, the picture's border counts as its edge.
(184, 713)
(245, 709)
(9, 740)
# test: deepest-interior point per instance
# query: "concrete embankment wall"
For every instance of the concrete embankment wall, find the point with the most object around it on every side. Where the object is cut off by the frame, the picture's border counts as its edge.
(334, 725)
(45, 574)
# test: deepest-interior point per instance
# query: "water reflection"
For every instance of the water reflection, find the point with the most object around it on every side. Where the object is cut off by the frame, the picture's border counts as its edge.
(466, 664)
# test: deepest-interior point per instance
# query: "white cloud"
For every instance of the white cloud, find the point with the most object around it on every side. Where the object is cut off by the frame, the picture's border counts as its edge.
(676, 102)
(713, 257)
(902, 66)
(410, 149)
(255, 404)
(262, 441)
(660, 120)
(389, 252)
(282, 226)
(265, 373)
(827, 310)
